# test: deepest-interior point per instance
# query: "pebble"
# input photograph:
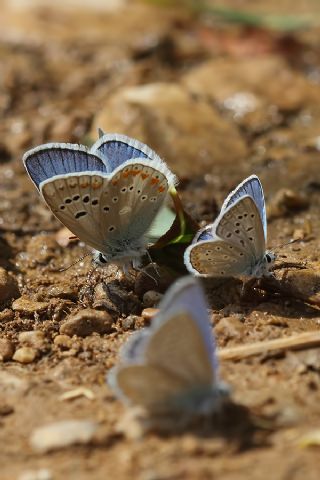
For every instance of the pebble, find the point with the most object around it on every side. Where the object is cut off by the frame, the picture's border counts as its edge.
(151, 298)
(25, 355)
(149, 313)
(230, 327)
(27, 306)
(57, 435)
(33, 338)
(8, 286)
(63, 341)
(6, 349)
(42, 248)
(86, 322)
(41, 474)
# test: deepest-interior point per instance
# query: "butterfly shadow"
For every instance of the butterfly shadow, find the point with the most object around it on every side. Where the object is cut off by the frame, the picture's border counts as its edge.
(233, 425)
(295, 291)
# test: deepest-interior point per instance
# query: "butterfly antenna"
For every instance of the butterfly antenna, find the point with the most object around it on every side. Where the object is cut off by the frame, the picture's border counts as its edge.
(293, 240)
(153, 264)
(74, 263)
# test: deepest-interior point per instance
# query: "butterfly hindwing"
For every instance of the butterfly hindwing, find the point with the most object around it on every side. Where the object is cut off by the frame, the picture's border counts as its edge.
(216, 258)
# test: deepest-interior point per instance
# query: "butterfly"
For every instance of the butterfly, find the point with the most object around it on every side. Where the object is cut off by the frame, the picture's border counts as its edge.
(172, 365)
(108, 195)
(235, 244)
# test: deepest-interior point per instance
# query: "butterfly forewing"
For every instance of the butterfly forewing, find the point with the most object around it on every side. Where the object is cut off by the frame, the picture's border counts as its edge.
(106, 211)
(117, 149)
(250, 186)
(47, 161)
(178, 347)
(241, 225)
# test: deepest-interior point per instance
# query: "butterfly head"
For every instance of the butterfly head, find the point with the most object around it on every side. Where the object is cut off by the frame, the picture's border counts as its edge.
(262, 269)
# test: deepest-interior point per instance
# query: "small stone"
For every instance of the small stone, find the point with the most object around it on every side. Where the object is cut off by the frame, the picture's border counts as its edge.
(63, 341)
(42, 248)
(41, 474)
(63, 290)
(27, 306)
(5, 409)
(230, 327)
(57, 435)
(34, 338)
(6, 349)
(86, 322)
(129, 322)
(149, 313)
(151, 298)
(25, 355)
(8, 286)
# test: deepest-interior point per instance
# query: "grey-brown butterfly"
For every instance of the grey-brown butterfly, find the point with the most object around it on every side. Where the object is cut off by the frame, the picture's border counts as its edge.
(172, 365)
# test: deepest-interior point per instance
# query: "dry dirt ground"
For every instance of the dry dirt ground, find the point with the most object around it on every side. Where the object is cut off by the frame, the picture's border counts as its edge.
(218, 102)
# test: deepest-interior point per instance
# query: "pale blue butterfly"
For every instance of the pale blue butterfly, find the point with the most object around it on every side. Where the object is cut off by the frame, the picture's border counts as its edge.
(108, 195)
(235, 244)
(172, 365)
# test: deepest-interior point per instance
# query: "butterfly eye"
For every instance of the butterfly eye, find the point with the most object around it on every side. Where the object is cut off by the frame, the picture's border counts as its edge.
(101, 258)
(268, 258)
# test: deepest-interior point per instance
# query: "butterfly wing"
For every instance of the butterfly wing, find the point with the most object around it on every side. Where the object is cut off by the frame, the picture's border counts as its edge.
(108, 212)
(116, 149)
(241, 225)
(173, 358)
(52, 159)
(177, 346)
(216, 258)
(145, 385)
(250, 186)
(237, 246)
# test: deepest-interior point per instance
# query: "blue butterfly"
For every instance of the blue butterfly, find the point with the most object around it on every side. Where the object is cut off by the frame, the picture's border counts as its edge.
(172, 365)
(109, 196)
(235, 244)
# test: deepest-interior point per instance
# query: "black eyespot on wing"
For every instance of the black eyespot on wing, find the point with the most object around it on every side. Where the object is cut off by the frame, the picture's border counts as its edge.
(67, 200)
(95, 201)
(80, 214)
(76, 197)
(86, 199)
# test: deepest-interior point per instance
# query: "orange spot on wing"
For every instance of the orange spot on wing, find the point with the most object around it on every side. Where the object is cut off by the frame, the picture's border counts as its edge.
(136, 172)
(161, 189)
(154, 181)
(144, 176)
(84, 185)
(115, 182)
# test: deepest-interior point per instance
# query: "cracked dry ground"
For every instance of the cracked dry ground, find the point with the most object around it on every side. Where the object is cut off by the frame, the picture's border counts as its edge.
(217, 103)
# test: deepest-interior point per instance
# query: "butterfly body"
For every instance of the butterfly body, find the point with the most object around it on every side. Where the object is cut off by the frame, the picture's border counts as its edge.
(235, 244)
(109, 202)
(172, 367)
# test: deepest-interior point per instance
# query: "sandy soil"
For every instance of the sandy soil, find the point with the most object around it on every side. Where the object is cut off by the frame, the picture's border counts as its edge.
(218, 102)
